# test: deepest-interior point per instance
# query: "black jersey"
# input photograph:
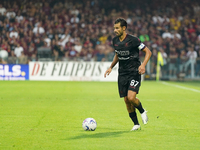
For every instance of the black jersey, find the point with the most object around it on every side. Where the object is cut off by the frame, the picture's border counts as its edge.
(128, 53)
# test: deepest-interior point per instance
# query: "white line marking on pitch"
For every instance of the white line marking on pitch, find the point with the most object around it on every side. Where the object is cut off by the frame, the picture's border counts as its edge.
(181, 87)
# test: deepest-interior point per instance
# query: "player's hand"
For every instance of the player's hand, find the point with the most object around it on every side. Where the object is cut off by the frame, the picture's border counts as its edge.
(141, 69)
(108, 71)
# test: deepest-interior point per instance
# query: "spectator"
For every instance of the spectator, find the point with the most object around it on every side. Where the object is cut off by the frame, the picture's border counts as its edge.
(164, 56)
(173, 55)
(193, 37)
(13, 33)
(38, 42)
(72, 54)
(50, 34)
(78, 45)
(166, 34)
(3, 55)
(47, 40)
(2, 9)
(58, 51)
(174, 23)
(10, 13)
(12, 59)
(23, 59)
(144, 37)
(102, 38)
(74, 19)
(197, 66)
(154, 60)
(175, 34)
(74, 11)
(191, 55)
(183, 60)
(18, 50)
(31, 53)
(2, 61)
(38, 29)
(191, 29)
(100, 55)
(156, 18)
(65, 38)
(47, 8)
(19, 17)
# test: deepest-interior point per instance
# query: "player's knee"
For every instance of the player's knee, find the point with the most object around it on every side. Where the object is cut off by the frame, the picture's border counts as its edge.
(133, 100)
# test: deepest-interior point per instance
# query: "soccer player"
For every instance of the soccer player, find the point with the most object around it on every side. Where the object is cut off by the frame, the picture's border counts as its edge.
(127, 49)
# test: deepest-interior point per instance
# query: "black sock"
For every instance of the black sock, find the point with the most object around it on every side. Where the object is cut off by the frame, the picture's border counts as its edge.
(140, 108)
(134, 118)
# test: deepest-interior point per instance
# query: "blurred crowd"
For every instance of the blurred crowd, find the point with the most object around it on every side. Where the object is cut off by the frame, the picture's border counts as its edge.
(82, 30)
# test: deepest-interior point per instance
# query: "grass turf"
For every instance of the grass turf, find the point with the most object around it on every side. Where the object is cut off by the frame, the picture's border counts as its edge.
(49, 115)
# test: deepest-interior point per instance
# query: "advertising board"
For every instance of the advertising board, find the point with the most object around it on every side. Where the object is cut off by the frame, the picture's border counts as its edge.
(71, 71)
(14, 72)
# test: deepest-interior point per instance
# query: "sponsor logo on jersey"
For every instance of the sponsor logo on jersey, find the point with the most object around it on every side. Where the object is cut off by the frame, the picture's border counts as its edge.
(122, 53)
(123, 58)
(115, 45)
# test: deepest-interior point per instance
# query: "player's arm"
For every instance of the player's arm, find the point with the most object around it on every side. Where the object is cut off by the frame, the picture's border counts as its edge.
(141, 68)
(114, 62)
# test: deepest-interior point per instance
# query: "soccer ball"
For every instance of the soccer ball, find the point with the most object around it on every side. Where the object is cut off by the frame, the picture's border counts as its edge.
(89, 124)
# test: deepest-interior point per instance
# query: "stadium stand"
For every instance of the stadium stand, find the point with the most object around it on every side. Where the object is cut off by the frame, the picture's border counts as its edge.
(62, 30)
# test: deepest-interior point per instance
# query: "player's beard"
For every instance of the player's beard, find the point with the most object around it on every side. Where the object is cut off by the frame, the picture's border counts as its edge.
(119, 34)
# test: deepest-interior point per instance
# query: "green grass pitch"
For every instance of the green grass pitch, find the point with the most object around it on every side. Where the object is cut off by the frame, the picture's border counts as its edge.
(36, 115)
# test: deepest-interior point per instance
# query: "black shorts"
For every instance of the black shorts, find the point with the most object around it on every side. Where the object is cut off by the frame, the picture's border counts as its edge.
(128, 82)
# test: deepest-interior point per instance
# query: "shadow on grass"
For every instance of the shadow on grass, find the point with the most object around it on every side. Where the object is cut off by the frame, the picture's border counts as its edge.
(97, 135)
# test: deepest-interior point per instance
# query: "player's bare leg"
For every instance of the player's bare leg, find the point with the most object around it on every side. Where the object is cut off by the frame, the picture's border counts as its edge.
(132, 114)
(129, 107)
(137, 104)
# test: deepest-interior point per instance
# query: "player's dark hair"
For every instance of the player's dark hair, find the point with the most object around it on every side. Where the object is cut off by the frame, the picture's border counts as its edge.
(121, 21)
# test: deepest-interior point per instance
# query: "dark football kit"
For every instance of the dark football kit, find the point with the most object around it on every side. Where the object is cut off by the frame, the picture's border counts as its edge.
(128, 56)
